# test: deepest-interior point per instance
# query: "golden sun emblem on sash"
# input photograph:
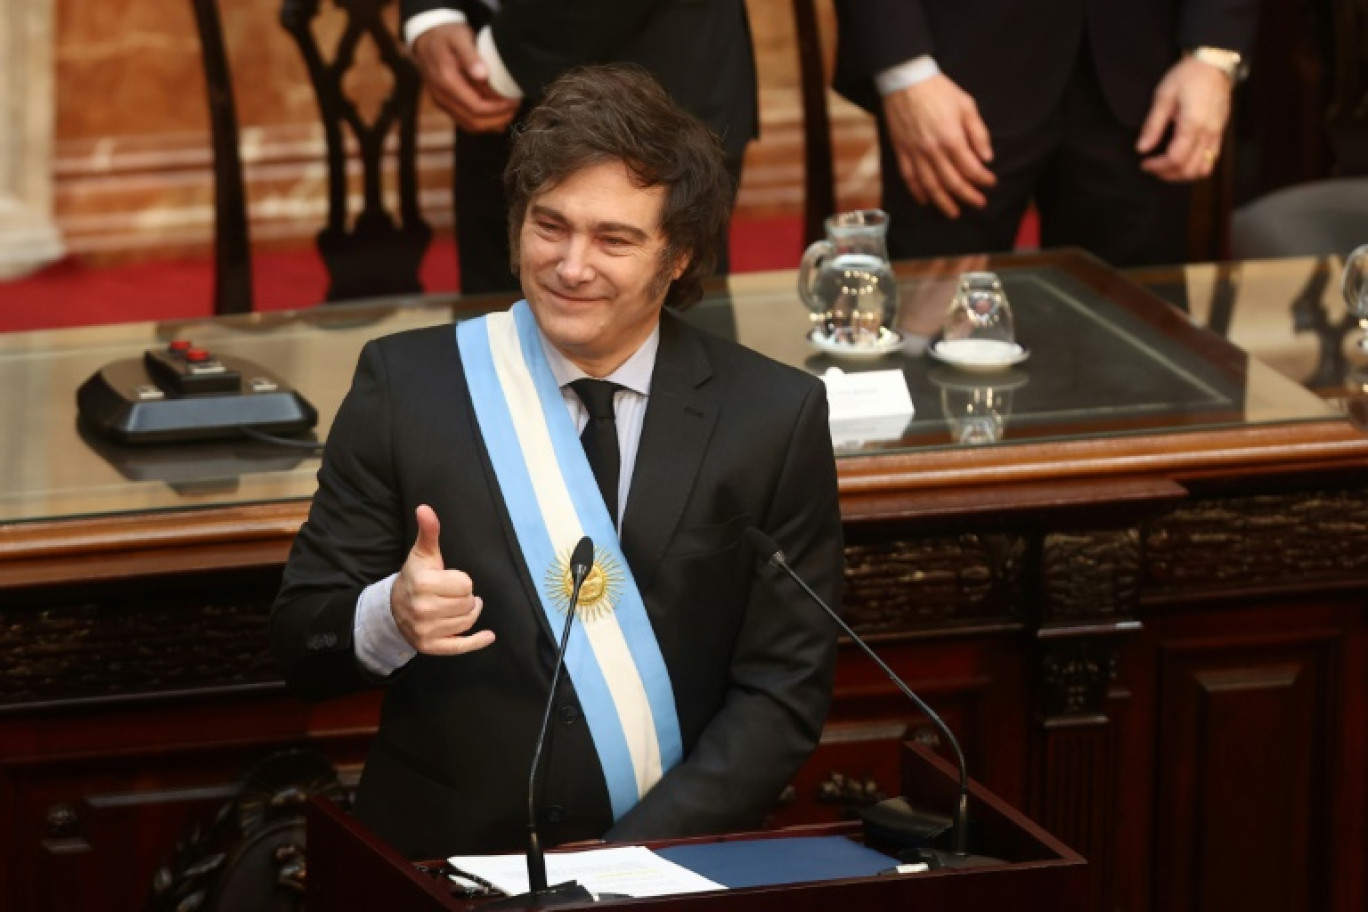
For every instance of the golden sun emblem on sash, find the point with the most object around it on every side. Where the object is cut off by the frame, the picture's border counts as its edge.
(600, 591)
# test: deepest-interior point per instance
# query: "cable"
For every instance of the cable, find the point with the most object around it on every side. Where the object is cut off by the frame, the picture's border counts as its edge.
(313, 446)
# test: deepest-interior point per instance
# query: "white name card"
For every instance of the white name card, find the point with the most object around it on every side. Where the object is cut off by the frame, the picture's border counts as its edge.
(867, 406)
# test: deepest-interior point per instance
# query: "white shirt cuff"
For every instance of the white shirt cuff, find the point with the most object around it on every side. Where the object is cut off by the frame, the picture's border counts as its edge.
(429, 20)
(500, 80)
(380, 647)
(918, 69)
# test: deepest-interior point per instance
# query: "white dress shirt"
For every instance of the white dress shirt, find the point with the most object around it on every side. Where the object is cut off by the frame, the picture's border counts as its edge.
(910, 72)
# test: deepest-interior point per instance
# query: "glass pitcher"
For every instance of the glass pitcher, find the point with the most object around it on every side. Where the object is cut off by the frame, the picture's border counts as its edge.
(846, 281)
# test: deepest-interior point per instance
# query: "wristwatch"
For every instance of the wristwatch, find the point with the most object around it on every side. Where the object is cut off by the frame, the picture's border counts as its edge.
(1232, 63)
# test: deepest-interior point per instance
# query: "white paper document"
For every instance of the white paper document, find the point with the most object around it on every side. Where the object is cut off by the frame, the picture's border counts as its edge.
(867, 406)
(625, 870)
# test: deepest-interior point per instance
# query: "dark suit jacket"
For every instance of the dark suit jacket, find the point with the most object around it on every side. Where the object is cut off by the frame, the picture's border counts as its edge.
(1015, 56)
(699, 50)
(730, 440)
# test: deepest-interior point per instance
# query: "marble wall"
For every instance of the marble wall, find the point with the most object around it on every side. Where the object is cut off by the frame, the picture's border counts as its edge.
(130, 164)
(28, 232)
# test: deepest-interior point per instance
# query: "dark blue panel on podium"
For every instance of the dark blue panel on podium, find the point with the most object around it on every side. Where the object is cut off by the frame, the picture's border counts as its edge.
(765, 862)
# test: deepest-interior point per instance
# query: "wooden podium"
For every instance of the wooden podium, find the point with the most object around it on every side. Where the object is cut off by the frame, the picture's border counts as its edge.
(351, 869)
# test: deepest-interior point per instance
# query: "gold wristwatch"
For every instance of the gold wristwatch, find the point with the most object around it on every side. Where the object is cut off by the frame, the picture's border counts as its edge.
(1231, 63)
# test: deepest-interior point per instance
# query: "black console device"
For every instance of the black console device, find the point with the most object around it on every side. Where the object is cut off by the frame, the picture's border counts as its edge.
(184, 392)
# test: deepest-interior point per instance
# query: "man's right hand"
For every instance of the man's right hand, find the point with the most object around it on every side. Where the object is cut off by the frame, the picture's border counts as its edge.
(942, 144)
(434, 606)
(459, 80)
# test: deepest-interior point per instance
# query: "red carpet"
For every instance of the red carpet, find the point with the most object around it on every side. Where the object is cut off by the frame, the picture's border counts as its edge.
(74, 294)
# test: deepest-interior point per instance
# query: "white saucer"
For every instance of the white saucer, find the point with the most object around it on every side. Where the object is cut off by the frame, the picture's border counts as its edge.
(978, 354)
(889, 341)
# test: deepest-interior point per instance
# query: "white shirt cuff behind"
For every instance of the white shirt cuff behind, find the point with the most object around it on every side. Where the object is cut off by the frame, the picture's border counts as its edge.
(380, 647)
(429, 20)
(918, 69)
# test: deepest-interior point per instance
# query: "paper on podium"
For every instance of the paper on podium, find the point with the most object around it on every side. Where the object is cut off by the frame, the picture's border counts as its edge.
(625, 870)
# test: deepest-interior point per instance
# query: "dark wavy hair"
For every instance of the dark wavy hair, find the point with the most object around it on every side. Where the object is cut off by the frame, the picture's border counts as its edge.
(619, 113)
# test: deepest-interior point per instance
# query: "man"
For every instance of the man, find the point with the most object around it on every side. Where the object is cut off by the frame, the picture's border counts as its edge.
(483, 62)
(1102, 111)
(453, 489)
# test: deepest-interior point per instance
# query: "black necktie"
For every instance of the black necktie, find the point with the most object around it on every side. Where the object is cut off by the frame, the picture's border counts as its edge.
(599, 437)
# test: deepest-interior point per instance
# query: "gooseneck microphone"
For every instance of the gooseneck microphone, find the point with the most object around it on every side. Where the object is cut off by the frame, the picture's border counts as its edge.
(766, 550)
(581, 562)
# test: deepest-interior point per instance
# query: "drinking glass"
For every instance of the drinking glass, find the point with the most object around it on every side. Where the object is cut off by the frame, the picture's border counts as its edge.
(977, 409)
(1355, 287)
(979, 311)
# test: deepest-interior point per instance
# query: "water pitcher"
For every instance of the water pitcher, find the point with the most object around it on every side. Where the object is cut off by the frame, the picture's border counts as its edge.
(846, 281)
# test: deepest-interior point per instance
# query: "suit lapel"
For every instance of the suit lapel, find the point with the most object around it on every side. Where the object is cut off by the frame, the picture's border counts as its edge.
(679, 421)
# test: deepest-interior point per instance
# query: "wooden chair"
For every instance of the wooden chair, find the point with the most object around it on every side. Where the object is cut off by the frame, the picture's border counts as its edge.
(232, 249)
(1325, 215)
(381, 252)
(251, 855)
(819, 180)
(1348, 115)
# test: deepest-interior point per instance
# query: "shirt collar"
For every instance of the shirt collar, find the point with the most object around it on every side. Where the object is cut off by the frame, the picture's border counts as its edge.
(634, 373)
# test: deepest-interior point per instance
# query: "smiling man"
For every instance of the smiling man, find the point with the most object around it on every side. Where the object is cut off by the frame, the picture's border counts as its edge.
(465, 464)
(595, 266)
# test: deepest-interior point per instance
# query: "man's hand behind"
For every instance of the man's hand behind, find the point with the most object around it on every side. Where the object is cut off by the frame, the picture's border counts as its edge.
(459, 80)
(1195, 98)
(942, 144)
(434, 606)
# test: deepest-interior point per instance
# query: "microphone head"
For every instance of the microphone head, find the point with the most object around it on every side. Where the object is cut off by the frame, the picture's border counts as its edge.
(764, 546)
(582, 560)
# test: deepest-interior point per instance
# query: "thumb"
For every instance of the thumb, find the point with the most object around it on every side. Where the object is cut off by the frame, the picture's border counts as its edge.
(429, 530)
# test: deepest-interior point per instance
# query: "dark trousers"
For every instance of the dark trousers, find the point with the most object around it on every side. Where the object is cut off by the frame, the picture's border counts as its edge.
(482, 213)
(1082, 171)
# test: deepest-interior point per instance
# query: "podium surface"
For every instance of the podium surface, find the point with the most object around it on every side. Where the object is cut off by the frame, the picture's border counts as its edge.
(352, 869)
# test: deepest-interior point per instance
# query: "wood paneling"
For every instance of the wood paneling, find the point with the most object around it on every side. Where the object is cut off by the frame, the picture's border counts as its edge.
(1202, 745)
(1243, 767)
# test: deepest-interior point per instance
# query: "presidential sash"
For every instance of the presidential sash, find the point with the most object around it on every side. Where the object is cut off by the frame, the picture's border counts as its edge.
(612, 657)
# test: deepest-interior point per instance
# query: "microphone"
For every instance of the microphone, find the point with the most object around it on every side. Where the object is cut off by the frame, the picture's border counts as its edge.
(539, 894)
(768, 552)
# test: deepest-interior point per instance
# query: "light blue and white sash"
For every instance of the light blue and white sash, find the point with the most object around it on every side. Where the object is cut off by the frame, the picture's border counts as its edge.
(613, 657)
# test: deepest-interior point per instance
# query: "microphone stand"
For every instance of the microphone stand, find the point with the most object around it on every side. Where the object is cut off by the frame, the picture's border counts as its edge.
(895, 814)
(539, 894)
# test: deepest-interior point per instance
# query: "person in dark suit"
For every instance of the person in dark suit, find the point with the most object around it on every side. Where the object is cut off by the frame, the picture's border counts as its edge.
(483, 66)
(453, 487)
(1101, 111)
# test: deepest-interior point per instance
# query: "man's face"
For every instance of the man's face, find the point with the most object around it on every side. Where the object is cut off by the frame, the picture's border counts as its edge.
(590, 265)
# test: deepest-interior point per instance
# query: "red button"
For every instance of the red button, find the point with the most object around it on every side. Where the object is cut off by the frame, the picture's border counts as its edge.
(197, 355)
(178, 345)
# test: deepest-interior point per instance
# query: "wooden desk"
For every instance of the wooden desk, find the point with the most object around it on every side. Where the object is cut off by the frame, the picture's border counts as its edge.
(1288, 313)
(1143, 608)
